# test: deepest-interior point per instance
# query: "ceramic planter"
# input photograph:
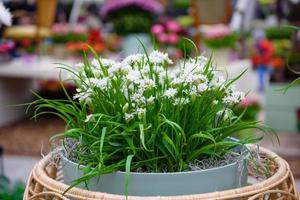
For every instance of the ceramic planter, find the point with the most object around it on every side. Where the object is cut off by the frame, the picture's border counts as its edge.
(230, 176)
(131, 45)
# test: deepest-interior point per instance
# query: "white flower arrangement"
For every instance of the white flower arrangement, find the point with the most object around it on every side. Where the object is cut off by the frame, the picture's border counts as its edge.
(138, 76)
(146, 111)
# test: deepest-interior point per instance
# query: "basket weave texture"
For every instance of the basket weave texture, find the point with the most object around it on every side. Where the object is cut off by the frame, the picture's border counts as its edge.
(46, 183)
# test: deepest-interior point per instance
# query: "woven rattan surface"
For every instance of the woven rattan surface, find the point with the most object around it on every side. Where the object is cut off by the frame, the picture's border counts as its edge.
(45, 183)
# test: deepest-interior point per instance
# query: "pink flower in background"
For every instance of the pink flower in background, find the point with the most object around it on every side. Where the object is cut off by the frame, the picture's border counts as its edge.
(216, 31)
(60, 28)
(248, 101)
(162, 37)
(79, 29)
(168, 31)
(7, 46)
(173, 38)
(173, 26)
(157, 29)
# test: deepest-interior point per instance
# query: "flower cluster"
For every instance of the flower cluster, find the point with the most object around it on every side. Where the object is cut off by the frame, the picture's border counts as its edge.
(218, 36)
(141, 82)
(168, 32)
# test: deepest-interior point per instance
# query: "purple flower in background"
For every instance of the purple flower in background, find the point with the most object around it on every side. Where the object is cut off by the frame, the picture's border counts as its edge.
(151, 6)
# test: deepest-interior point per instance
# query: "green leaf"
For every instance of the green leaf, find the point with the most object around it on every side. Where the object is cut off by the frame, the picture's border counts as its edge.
(127, 170)
(142, 136)
(101, 143)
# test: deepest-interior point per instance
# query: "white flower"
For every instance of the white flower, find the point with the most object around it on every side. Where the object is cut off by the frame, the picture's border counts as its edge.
(95, 63)
(226, 113)
(133, 75)
(150, 100)
(157, 57)
(217, 81)
(114, 68)
(105, 62)
(138, 98)
(140, 112)
(234, 97)
(146, 83)
(83, 95)
(181, 101)
(128, 116)
(202, 87)
(170, 93)
(88, 118)
(200, 61)
(5, 15)
(132, 59)
(101, 83)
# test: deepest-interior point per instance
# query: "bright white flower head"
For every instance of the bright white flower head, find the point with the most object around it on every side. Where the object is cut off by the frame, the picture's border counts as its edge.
(83, 95)
(134, 76)
(170, 93)
(101, 83)
(233, 97)
(132, 59)
(181, 101)
(158, 57)
(5, 15)
(150, 100)
(128, 116)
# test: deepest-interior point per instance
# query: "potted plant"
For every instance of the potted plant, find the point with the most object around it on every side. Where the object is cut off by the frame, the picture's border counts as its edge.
(131, 19)
(219, 40)
(140, 127)
(63, 36)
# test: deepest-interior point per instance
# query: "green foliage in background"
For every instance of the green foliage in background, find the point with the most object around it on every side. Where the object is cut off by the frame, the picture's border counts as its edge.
(130, 20)
(250, 113)
(9, 191)
(278, 33)
(69, 37)
(221, 42)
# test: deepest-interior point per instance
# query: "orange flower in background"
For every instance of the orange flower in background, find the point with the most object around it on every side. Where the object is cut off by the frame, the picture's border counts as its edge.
(94, 40)
(277, 62)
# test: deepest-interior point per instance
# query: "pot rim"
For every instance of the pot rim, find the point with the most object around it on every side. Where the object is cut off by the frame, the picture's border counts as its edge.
(244, 155)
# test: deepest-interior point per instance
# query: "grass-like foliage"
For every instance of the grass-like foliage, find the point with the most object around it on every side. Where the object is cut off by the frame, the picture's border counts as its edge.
(144, 114)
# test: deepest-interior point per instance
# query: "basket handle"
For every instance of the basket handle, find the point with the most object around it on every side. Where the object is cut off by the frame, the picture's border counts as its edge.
(48, 193)
(274, 191)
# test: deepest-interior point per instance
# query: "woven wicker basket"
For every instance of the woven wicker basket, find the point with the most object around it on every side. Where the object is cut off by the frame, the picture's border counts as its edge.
(46, 182)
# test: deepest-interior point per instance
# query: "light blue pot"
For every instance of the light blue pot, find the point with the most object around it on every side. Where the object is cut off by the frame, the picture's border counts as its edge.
(164, 184)
(131, 45)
